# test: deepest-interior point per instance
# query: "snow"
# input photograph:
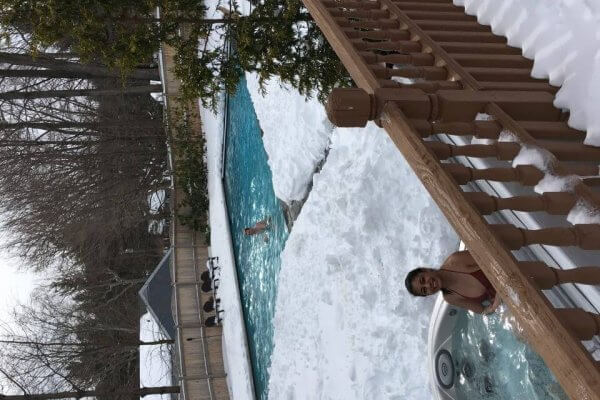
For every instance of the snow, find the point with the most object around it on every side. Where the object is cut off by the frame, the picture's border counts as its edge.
(482, 117)
(583, 213)
(541, 158)
(345, 327)
(563, 39)
(235, 347)
(155, 364)
(305, 131)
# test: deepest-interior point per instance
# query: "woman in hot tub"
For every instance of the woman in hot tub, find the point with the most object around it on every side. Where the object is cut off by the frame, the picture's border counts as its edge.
(464, 285)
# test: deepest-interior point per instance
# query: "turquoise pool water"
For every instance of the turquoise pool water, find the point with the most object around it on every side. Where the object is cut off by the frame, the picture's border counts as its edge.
(250, 198)
(493, 364)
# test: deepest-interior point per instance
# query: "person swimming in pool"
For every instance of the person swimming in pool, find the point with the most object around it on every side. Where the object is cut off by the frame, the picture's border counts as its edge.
(464, 284)
(258, 227)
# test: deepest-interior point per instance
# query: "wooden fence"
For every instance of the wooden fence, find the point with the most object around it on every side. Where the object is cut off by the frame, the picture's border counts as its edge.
(200, 350)
(456, 68)
(202, 371)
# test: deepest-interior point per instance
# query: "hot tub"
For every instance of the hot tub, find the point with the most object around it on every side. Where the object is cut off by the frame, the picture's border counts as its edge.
(482, 357)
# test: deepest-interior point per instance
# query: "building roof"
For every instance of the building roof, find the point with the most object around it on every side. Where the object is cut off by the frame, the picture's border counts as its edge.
(157, 293)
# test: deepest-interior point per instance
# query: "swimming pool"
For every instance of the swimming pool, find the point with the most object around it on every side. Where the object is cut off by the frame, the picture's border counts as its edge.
(479, 357)
(250, 198)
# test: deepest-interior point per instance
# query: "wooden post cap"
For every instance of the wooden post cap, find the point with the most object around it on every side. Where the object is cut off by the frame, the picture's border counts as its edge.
(349, 107)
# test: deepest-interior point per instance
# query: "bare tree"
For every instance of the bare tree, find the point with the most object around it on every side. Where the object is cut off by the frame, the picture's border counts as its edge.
(59, 346)
(41, 94)
(100, 157)
(51, 62)
(81, 150)
(141, 392)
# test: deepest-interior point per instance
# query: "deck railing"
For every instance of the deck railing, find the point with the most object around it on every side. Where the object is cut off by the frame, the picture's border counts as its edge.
(200, 350)
(453, 69)
(201, 366)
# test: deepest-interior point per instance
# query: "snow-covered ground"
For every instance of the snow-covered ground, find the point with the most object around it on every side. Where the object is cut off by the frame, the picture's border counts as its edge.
(287, 121)
(563, 39)
(235, 346)
(345, 327)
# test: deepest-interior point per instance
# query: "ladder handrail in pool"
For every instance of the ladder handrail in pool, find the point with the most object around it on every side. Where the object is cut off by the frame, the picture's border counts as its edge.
(455, 68)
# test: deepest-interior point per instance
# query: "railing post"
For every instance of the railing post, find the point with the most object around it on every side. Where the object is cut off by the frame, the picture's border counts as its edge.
(463, 105)
(526, 175)
(480, 129)
(416, 59)
(354, 107)
(556, 203)
(582, 235)
(582, 324)
(445, 105)
(499, 150)
(350, 107)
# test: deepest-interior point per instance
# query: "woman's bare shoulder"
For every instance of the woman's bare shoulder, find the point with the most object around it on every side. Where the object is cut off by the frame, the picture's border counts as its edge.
(461, 261)
(458, 301)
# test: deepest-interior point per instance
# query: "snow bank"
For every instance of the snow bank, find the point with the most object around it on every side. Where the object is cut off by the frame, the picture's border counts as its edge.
(345, 327)
(235, 347)
(296, 134)
(563, 37)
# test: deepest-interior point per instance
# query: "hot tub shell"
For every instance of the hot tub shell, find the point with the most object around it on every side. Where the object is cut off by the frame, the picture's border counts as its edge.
(443, 369)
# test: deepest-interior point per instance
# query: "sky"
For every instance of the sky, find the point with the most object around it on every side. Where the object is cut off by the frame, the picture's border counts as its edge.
(16, 285)
(154, 370)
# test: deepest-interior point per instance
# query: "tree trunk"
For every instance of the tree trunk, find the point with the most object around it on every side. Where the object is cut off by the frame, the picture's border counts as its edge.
(84, 344)
(42, 73)
(157, 342)
(49, 126)
(226, 21)
(89, 393)
(41, 94)
(81, 70)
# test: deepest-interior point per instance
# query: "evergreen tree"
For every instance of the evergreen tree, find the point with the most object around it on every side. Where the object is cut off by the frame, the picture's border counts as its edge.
(110, 30)
(278, 38)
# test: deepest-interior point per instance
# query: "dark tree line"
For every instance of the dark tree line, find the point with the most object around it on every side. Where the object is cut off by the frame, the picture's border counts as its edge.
(278, 38)
(82, 147)
(81, 151)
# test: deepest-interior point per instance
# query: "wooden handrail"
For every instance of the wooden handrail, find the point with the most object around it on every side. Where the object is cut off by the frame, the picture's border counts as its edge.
(357, 69)
(570, 362)
(443, 58)
(396, 107)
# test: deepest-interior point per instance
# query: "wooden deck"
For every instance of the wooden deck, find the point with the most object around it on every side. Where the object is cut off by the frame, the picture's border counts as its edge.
(460, 68)
(200, 350)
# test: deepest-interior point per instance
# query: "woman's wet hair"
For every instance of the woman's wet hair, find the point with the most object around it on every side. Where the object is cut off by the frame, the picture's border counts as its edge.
(408, 281)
